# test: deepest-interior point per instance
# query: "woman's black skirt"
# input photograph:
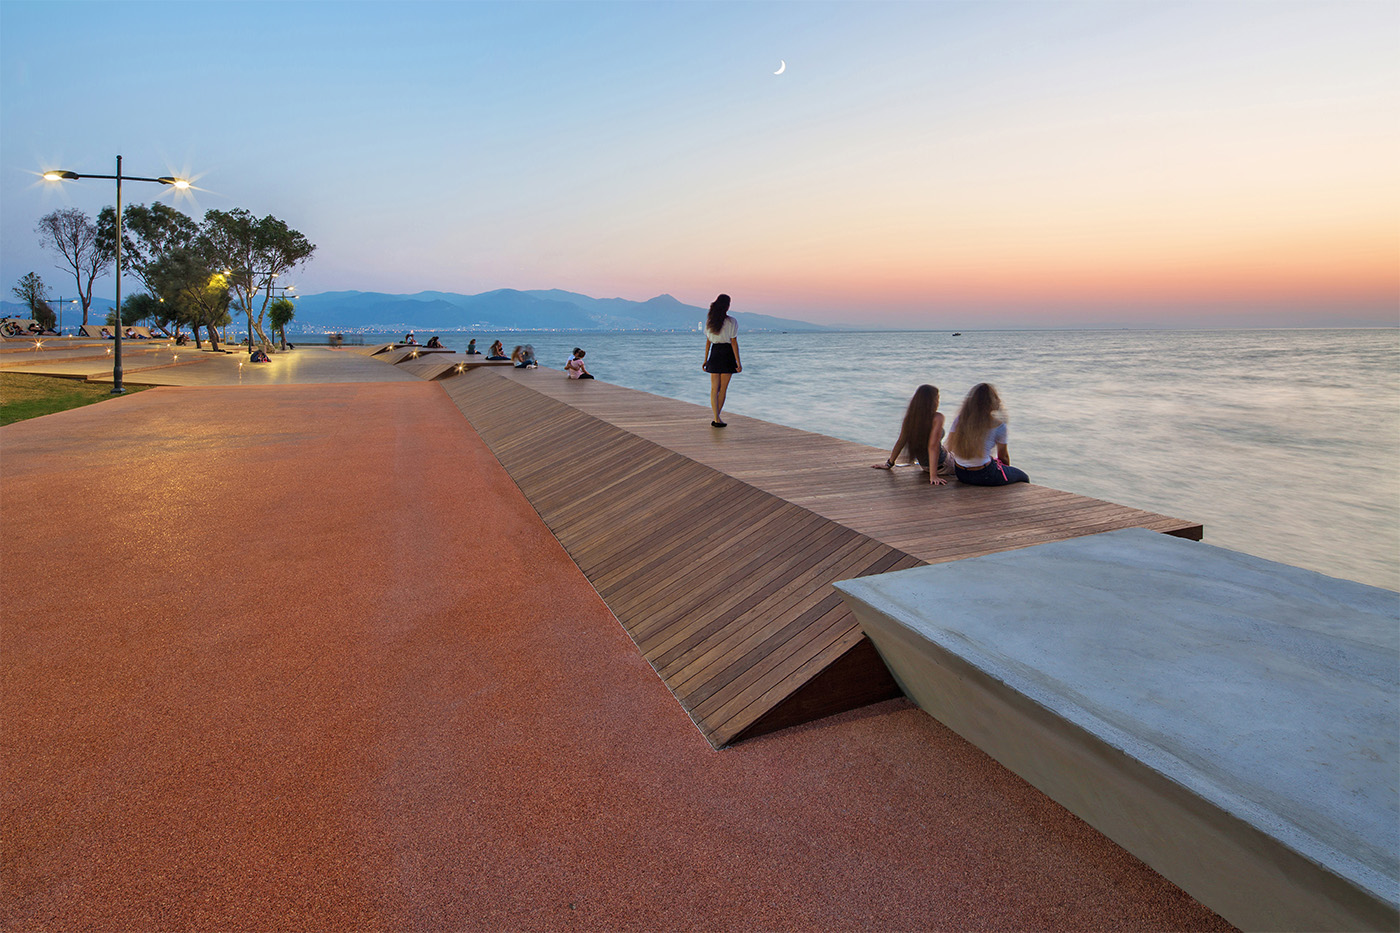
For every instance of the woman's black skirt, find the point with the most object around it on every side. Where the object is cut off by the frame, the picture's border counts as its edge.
(721, 359)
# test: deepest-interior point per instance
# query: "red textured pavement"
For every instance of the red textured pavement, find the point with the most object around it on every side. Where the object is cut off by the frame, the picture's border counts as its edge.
(303, 658)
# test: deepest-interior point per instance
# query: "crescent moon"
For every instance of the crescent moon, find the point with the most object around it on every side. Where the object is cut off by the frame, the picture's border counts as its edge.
(782, 66)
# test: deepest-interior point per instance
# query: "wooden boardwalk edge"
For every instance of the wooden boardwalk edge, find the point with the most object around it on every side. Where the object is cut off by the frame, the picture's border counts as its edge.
(742, 626)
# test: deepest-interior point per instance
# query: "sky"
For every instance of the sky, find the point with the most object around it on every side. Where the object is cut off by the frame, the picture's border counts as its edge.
(941, 164)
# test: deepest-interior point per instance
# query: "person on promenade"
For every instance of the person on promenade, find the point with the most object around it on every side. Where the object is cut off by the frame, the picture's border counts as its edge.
(922, 434)
(575, 367)
(433, 343)
(471, 348)
(409, 339)
(977, 431)
(721, 355)
(498, 351)
(516, 355)
(527, 358)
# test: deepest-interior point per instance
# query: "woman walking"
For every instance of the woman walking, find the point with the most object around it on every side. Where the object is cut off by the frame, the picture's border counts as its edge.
(980, 428)
(721, 355)
(922, 434)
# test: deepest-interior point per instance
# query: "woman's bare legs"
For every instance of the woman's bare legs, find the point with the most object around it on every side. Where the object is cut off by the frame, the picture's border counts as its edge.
(719, 387)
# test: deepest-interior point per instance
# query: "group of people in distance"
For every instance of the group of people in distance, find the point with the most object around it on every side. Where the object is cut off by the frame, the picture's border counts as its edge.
(523, 357)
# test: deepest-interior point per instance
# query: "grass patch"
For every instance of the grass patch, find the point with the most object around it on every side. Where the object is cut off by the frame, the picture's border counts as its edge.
(27, 396)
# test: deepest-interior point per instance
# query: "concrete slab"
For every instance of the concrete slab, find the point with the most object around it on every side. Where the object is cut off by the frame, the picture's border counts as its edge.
(1232, 721)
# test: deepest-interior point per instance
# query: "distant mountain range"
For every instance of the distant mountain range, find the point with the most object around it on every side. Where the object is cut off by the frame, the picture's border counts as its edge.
(509, 309)
(503, 309)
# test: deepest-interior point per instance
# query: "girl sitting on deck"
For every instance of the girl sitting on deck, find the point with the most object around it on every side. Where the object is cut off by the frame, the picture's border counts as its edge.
(922, 434)
(498, 351)
(979, 428)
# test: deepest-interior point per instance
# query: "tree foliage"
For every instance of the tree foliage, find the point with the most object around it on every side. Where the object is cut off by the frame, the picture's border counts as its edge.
(148, 234)
(279, 315)
(192, 271)
(72, 234)
(135, 309)
(255, 251)
(33, 292)
(199, 294)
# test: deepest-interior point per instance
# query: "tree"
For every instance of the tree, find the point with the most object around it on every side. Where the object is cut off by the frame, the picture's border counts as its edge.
(255, 252)
(187, 280)
(148, 234)
(135, 309)
(70, 233)
(279, 315)
(31, 290)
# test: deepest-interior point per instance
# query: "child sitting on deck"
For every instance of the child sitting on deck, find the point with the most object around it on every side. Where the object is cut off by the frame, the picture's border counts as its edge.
(575, 367)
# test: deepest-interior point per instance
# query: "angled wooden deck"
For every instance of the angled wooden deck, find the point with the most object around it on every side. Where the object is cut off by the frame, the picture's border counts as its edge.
(716, 549)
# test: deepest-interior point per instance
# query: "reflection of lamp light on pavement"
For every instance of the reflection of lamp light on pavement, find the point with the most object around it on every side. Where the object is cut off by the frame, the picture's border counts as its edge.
(180, 183)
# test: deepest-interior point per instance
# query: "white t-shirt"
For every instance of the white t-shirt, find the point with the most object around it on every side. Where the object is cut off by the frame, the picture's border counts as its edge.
(995, 436)
(726, 333)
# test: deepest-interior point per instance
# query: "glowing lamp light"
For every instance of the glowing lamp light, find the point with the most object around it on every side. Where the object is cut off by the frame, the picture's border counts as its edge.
(65, 175)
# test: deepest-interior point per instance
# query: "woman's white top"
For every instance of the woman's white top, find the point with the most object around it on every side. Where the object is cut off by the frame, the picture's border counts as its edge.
(995, 436)
(726, 333)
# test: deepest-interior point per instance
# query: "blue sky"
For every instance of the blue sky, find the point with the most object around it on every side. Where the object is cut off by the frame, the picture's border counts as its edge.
(1045, 163)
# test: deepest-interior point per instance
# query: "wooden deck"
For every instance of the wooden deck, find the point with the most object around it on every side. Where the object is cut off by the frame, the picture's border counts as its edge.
(716, 549)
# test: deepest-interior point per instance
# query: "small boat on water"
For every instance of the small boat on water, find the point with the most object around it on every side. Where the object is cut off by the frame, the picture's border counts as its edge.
(957, 334)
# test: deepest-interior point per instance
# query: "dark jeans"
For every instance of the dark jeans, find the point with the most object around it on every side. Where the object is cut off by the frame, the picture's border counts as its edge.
(993, 474)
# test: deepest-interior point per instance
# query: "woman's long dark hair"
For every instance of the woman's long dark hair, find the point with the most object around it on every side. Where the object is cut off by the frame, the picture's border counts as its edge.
(918, 422)
(719, 310)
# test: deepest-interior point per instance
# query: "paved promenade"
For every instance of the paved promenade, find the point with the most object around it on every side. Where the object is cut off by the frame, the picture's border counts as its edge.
(301, 656)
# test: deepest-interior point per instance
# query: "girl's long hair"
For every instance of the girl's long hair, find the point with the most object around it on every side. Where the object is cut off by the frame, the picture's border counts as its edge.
(981, 412)
(719, 310)
(918, 422)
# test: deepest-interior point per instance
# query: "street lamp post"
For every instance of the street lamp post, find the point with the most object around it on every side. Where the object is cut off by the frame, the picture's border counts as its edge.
(60, 302)
(117, 387)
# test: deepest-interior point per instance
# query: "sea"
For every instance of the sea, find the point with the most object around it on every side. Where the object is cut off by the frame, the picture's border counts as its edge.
(1284, 444)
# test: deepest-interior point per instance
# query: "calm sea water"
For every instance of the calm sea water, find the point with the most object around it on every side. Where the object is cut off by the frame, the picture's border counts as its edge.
(1283, 443)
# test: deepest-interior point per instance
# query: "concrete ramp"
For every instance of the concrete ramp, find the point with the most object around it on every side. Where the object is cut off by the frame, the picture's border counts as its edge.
(1231, 721)
(724, 588)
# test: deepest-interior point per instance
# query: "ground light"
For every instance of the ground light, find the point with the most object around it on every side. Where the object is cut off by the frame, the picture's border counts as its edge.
(60, 175)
